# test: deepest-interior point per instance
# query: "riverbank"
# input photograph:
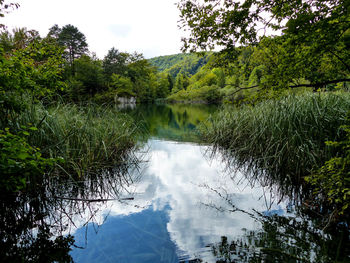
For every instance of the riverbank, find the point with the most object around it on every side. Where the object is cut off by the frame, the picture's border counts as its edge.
(82, 139)
(280, 141)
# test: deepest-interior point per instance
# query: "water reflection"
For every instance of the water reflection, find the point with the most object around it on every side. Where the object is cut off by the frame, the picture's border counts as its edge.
(35, 224)
(178, 184)
(186, 208)
(286, 239)
(25, 233)
(175, 122)
(139, 237)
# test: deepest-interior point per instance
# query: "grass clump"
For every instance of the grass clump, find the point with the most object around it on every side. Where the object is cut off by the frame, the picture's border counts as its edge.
(89, 138)
(283, 139)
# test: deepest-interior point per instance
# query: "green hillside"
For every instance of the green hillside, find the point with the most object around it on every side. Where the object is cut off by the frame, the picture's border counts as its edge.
(185, 63)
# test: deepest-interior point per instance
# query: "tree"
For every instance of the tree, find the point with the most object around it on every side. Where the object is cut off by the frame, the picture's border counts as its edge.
(171, 82)
(33, 68)
(123, 85)
(54, 32)
(220, 77)
(181, 82)
(89, 73)
(163, 85)
(227, 23)
(20, 38)
(72, 40)
(141, 73)
(115, 62)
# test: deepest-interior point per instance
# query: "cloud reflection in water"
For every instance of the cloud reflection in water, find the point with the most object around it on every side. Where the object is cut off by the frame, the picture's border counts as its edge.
(192, 191)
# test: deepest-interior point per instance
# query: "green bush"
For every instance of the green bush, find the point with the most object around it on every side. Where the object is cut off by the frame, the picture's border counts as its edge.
(332, 180)
(19, 160)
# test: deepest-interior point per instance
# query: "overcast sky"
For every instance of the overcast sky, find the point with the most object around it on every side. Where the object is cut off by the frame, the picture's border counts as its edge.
(145, 26)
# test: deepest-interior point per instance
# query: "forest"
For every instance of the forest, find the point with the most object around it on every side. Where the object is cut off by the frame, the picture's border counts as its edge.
(290, 85)
(282, 78)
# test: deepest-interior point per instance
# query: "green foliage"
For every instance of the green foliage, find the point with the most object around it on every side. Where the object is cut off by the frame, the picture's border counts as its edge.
(115, 62)
(89, 138)
(19, 160)
(33, 67)
(73, 41)
(283, 139)
(181, 83)
(108, 97)
(143, 76)
(226, 22)
(88, 70)
(204, 86)
(204, 94)
(289, 60)
(120, 82)
(123, 86)
(186, 64)
(163, 85)
(256, 77)
(75, 90)
(332, 180)
(220, 77)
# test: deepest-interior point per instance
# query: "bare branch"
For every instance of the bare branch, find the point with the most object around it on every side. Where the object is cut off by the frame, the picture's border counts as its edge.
(93, 200)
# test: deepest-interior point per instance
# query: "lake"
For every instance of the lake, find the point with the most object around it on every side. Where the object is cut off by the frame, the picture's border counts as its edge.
(186, 205)
(174, 201)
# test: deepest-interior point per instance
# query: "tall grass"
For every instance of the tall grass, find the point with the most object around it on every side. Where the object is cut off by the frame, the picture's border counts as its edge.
(89, 138)
(279, 141)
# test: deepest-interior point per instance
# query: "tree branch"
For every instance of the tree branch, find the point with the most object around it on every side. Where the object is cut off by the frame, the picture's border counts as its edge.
(315, 85)
(340, 59)
(241, 88)
(92, 200)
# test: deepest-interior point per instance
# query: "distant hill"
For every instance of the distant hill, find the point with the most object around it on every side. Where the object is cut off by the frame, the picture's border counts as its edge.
(185, 63)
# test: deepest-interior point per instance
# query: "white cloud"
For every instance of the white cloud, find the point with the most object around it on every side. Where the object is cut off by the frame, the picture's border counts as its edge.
(178, 177)
(149, 27)
(175, 177)
(120, 30)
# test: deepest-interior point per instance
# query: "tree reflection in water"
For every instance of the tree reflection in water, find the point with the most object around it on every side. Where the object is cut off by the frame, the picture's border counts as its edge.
(35, 224)
(296, 235)
(308, 233)
(286, 239)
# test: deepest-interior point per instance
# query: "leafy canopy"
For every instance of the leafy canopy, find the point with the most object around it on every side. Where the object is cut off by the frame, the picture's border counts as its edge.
(311, 47)
(228, 22)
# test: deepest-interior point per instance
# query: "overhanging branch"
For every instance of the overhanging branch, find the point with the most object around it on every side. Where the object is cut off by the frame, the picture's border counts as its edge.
(320, 84)
(313, 85)
(241, 88)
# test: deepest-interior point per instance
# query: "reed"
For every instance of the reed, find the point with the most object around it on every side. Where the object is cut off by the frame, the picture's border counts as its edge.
(279, 141)
(89, 138)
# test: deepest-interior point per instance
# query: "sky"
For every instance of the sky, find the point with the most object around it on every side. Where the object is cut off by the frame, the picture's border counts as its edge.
(169, 178)
(149, 27)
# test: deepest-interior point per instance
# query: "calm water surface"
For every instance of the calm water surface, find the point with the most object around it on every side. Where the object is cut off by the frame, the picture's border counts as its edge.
(169, 202)
(186, 208)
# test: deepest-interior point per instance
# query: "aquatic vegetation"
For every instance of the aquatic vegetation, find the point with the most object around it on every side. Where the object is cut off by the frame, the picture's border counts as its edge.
(88, 138)
(284, 138)
(36, 224)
